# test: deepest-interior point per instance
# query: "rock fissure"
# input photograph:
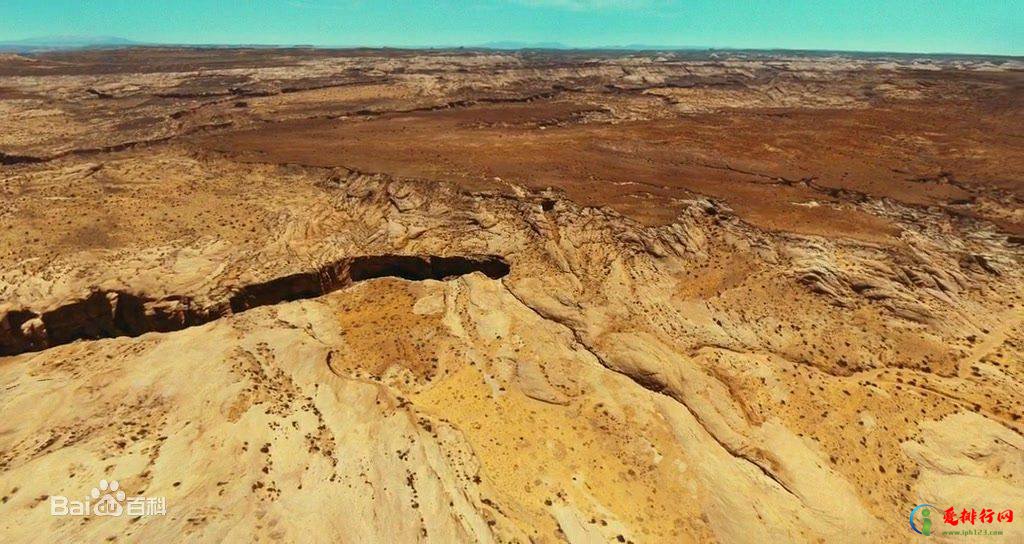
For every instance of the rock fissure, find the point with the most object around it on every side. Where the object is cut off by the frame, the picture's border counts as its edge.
(650, 383)
(117, 312)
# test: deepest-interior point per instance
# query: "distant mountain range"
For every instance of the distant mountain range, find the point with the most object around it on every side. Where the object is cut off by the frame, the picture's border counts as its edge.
(58, 43)
(522, 45)
(50, 43)
(559, 45)
(64, 42)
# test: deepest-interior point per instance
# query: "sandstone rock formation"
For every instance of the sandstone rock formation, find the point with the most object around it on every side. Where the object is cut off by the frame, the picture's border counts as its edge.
(467, 297)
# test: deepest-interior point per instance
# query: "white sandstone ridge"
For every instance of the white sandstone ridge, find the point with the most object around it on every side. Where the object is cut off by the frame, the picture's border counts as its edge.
(111, 313)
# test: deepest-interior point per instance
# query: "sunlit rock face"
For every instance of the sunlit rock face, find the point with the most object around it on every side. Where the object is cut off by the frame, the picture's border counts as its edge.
(465, 297)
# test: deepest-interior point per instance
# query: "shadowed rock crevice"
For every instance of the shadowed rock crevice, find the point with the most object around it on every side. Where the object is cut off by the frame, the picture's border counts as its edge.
(418, 268)
(18, 159)
(112, 313)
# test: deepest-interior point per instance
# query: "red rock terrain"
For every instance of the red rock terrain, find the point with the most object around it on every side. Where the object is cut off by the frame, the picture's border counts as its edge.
(312, 295)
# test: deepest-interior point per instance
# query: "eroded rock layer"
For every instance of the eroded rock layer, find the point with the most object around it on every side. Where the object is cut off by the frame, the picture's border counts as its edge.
(470, 297)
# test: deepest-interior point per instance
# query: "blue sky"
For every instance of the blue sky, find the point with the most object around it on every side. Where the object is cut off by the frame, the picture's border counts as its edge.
(961, 26)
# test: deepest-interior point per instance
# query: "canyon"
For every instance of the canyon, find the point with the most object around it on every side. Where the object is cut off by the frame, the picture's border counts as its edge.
(535, 296)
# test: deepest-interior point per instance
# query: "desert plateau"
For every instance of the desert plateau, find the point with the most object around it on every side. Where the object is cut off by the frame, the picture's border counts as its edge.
(469, 295)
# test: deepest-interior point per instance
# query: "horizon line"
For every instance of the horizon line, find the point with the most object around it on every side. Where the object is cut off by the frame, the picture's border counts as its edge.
(493, 45)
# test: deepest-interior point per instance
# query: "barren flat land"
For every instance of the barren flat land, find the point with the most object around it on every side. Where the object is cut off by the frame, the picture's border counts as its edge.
(483, 296)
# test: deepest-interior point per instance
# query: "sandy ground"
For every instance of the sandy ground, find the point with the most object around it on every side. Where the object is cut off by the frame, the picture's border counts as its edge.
(453, 296)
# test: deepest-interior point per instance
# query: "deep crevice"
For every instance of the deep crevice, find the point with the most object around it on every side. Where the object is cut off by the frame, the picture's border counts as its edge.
(112, 313)
(18, 159)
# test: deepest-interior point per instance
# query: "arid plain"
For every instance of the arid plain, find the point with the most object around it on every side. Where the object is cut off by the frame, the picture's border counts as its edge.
(472, 296)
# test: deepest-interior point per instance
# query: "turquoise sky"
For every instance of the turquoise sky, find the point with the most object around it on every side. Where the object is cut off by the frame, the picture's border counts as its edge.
(961, 26)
